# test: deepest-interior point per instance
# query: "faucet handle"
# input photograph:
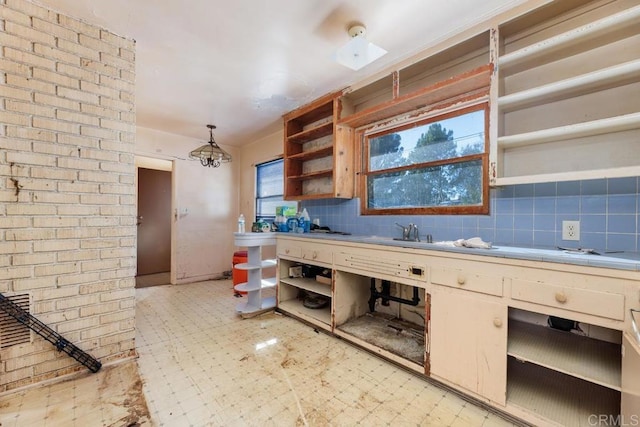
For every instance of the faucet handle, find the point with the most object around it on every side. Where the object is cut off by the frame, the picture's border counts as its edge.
(416, 233)
(405, 230)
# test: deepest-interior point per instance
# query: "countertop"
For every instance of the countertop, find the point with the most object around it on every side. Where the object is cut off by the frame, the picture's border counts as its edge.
(619, 261)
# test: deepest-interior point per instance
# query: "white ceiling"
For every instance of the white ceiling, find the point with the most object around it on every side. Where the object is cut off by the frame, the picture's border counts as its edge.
(241, 64)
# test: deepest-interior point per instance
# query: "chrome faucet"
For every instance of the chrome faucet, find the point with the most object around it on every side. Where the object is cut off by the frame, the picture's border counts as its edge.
(409, 233)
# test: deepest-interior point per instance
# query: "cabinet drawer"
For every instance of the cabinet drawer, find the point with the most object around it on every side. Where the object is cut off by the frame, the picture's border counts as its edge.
(602, 304)
(490, 285)
(289, 250)
(317, 255)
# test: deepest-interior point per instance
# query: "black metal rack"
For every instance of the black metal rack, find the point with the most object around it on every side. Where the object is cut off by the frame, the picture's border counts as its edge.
(61, 344)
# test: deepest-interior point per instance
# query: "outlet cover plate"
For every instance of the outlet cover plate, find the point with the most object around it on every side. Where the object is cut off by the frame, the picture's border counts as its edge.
(570, 230)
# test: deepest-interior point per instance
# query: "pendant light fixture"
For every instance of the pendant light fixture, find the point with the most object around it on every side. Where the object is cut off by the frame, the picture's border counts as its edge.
(358, 52)
(210, 155)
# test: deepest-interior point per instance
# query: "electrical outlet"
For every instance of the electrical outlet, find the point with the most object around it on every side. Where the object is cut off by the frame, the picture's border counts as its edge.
(570, 230)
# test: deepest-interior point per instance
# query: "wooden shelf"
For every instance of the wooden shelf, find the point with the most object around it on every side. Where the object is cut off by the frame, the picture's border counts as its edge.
(312, 175)
(295, 308)
(318, 110)
(314, 147)
(308, 285)
(578, 130)
(473, 81)
(312, 154)
(246, 287)
(581, 357)
(310, 134)
(566, 400)
(314, 196)
(597, 80)
(578, 36)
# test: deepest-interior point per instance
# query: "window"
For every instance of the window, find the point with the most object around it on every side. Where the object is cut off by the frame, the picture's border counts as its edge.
(270, 189)
(436, 165)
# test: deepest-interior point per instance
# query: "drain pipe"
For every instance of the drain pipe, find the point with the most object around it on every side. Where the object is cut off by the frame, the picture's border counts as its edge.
(386, 296)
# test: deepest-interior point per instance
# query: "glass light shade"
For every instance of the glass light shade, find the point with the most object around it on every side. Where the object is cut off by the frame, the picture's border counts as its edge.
(210, 155)
(358, 53)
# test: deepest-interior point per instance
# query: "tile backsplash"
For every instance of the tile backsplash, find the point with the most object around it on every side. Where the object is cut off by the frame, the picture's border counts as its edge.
(520, 215)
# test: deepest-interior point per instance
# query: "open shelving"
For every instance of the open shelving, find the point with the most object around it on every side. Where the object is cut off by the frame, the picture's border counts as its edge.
(581, 357)
(562, 376)
(567, 91)
(555, 396)
(255, 284)
(293, 290)
(317, 153)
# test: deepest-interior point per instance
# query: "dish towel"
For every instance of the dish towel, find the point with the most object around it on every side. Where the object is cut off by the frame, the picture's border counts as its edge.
(474, 242)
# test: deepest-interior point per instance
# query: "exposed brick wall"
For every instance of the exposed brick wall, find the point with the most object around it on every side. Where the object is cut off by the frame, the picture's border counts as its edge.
(67, 192)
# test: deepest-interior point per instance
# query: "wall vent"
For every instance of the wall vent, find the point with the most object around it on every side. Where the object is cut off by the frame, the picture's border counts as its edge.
(13, 332)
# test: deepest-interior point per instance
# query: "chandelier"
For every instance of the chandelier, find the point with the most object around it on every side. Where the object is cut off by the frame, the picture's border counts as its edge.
(210, 155)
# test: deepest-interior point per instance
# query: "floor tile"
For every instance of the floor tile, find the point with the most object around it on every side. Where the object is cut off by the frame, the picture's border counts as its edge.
(200, 364)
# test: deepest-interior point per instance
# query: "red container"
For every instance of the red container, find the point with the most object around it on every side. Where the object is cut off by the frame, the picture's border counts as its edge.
(239, 276)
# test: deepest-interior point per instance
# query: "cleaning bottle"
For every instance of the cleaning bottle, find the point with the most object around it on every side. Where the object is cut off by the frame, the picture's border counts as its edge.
(241, 223)
(307, 220)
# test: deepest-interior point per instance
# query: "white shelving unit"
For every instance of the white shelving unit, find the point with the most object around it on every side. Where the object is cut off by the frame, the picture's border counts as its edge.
(256, 303)
(568, 100)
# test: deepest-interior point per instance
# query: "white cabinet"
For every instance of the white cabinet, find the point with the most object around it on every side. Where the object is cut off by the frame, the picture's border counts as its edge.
(254, 266)
(297, 258)
(560, 376)
(481, 324)
(469, 342)
(630, 406)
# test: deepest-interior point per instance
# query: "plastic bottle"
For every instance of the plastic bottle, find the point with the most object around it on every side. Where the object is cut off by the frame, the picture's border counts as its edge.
(241, 223)
(307, 220)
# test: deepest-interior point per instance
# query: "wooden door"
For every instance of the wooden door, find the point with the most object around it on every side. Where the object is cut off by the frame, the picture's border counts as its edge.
(630, 405)
(154, 221)
(469, 342)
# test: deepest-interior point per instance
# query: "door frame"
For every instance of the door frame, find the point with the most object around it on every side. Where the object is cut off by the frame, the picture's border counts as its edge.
(167, 166)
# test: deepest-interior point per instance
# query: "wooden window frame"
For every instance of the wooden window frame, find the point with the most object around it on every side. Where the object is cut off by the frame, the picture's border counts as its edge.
(364, 135)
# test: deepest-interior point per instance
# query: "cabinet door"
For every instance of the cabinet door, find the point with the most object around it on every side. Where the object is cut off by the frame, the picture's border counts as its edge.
(630, 405)
(469, 342)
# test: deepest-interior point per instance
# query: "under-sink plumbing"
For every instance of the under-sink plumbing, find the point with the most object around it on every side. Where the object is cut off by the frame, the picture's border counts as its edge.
(386, 295)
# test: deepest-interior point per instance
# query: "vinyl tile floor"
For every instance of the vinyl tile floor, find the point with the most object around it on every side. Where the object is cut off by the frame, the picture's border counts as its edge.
(201, 364)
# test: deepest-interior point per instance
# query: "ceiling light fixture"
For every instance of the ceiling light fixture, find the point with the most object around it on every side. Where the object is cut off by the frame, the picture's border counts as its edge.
(210, 155)
(358, 52)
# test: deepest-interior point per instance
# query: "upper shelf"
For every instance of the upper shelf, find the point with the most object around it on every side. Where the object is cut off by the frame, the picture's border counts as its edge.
(312, 154)
(596, 80)
(312, 175)
(310, 134)
(578, 130)
(593, 31)
(469, 82)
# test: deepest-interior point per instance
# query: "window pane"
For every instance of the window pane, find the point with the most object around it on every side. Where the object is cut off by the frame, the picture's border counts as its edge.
(270, 189)
(444, 139)
(444, 185)
(266, 208)
(270, 177)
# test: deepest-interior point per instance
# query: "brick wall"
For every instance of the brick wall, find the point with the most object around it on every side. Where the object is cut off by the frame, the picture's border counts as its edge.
(67, 192)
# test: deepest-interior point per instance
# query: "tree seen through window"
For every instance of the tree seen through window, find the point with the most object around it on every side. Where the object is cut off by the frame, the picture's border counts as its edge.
(429, 165)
